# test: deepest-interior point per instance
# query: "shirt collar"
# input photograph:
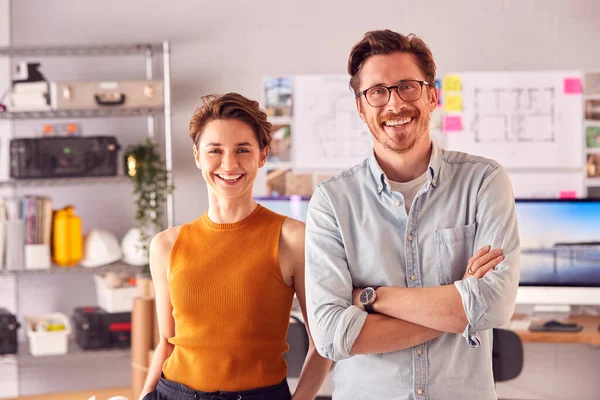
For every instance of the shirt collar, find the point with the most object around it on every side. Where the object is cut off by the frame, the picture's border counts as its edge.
(433, 172)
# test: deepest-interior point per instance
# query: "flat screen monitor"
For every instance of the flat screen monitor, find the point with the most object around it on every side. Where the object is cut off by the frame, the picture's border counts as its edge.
(560, 251)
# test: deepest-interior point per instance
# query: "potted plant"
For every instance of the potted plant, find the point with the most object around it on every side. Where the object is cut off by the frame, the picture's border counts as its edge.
(151, 181)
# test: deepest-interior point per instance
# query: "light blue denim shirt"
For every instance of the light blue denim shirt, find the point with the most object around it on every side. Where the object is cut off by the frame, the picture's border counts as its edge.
(358, 234)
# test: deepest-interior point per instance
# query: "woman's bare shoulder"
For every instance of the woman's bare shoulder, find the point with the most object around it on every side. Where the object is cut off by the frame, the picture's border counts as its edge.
(163, 241)
(292, 236)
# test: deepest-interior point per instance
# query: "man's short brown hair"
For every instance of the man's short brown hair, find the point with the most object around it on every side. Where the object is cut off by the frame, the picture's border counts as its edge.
(231, 106)
(387, 42)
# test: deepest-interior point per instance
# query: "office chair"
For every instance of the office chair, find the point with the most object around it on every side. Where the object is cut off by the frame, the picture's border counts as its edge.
(507, 355)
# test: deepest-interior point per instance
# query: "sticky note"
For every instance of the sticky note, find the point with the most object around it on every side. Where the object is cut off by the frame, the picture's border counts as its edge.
(452, 83)
(438, 88)
(452, 123)
(567, 194)
(453, 103)
(572, 86)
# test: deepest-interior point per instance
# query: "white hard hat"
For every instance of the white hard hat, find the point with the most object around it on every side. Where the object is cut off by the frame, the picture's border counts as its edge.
(132, 247)
(100, 248)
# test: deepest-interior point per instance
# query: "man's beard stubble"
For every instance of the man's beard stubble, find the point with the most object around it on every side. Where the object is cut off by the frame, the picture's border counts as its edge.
(419, 131)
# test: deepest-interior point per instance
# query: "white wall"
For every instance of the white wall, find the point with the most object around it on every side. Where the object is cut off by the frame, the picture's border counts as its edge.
(226, 45)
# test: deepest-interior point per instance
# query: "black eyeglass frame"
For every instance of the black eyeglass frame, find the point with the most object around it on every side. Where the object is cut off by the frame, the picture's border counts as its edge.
(396, 87)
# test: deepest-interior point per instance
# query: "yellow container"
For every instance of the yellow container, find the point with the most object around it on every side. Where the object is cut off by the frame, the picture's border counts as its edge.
(67, 239)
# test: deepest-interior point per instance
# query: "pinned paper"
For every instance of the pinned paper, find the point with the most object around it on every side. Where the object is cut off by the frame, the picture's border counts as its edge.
(453, 103)
(592, 83)
(438, 88)
(452, 83)
(567, 194)
(452, 123)
(572, 86)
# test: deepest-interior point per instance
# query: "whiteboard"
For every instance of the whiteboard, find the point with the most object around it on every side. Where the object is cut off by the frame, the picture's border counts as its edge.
(327, 133)
(521, 119)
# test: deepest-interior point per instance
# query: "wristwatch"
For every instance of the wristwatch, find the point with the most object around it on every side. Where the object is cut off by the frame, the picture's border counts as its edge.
(367, 298)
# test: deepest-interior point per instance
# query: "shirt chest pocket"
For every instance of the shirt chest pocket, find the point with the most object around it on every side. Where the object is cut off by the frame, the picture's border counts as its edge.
(454, 247)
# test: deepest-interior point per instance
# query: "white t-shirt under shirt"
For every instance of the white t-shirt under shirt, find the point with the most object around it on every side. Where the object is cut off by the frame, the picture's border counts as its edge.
(409, 189)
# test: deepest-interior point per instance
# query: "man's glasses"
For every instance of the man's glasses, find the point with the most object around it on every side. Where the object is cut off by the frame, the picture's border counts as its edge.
(409, 91)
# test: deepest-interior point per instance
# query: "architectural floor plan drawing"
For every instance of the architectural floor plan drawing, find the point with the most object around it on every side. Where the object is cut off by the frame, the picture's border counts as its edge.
(328, 132)
(510, 115)
(340, 132)
(521, 119)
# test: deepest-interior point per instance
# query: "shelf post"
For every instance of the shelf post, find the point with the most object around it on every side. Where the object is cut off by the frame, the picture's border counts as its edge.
(167, 114)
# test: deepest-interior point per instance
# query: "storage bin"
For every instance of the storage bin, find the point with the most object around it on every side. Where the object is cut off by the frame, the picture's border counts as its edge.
(114, 300)
(37, 256)
(43, 343)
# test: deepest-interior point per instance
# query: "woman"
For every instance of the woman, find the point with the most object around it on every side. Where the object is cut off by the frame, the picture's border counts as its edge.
(225, 282)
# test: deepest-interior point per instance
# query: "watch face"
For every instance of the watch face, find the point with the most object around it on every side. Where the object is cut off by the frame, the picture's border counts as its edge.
(367, 296)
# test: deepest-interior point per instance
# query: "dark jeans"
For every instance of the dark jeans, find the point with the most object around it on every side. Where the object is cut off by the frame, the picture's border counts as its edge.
(169, 390)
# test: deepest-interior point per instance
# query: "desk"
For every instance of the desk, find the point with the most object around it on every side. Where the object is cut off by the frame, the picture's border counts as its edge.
(588, 335)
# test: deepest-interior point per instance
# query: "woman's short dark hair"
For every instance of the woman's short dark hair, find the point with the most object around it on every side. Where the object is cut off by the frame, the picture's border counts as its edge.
(231, 106)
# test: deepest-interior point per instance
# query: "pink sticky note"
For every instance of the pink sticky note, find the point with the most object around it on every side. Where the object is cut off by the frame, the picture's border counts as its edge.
(452, 123)
(572, 86)
(567, 194)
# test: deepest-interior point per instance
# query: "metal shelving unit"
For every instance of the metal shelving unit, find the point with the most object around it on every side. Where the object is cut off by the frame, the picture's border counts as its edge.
(149, 51)
(82, 51)
(78, 269)
(74, 352)
(37, 182)
(96, 113)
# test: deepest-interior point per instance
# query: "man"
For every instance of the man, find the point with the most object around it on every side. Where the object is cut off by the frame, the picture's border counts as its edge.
(404, 225)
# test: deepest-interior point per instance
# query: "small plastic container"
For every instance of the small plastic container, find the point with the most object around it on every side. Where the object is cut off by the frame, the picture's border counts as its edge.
(116, 300)
(37, 256)
(45, 343)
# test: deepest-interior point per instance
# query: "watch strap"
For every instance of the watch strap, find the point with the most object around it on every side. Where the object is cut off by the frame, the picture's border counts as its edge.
(369, 308)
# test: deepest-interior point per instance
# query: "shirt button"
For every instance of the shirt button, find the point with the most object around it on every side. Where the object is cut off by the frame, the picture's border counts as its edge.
(434, 182)
(420, 352)
(413, 278)
(410, 237)
(397, 204)
(380, 188)
(420, 391)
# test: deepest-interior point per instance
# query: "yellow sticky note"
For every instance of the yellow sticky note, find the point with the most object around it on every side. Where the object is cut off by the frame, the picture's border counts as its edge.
(453, 103)
(452, 83)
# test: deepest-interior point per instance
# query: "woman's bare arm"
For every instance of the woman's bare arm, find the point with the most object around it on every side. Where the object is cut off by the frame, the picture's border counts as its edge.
(160, 253)
(316, 367)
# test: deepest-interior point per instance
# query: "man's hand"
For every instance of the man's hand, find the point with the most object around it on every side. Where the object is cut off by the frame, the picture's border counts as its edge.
(482, 262)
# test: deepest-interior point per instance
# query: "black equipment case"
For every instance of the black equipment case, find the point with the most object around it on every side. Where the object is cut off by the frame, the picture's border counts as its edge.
(8, 332)
(62, 157)
(97, 329)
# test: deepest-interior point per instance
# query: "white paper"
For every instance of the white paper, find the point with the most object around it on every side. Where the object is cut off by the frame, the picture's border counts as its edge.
(521, 119)
(327, 133)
